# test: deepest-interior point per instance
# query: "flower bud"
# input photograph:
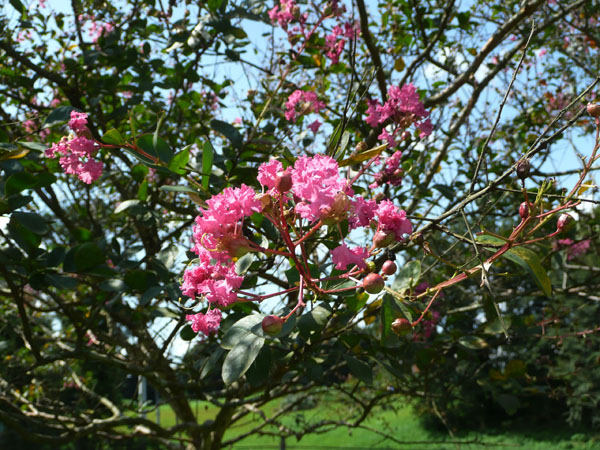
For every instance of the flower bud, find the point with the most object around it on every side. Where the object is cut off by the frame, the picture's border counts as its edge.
(523, 168)
(373, 283)
(383, 238)
(272, 325)
(360, 147)
(401, 326)
(563, 222)
(370, 266)
(389, 268)
(405, 135)
(524, 210)
(296, 12)
(283, 181)
(593, 110)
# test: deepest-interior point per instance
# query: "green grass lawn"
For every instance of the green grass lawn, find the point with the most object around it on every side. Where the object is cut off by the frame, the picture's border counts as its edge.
(403, 424)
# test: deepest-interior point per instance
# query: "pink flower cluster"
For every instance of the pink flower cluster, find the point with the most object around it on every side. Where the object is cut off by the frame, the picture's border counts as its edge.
(391, 172)
(575, 250)
(218, 239)
(206, 324)
(302, 102)
(336, 40)
(403, 108)
(77, 152)
(320, 193)
(286, 12)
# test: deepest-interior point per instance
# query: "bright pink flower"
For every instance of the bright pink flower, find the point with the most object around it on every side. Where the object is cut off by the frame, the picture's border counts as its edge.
(78, 121)
(393, 219)
(305, 100)
(362, 212)
(334, 45)
(403, 108)
(373, 116)
(316, 182)
(216, 282)
(219, 229)
(389, 138)
(343, 256)
(267, 172)
(205, 323)
(29, 126)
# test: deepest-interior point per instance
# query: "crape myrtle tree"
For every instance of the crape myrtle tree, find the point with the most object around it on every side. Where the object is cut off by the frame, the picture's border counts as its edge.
(346, 200)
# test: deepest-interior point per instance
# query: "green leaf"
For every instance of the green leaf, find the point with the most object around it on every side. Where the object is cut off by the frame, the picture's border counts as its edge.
(32, 221)
(529, 260)
(58, 115)
(35, 146)
(87, 256)
(243, 264)
(21, 181)
(446, 191)
(179, 161)
(408, 276)
(208, 155)
(142, 193)
(8, 147)
(113, 137)
(18, 182)
(18, 6)
(472, 342)
(187, 334)
(359, 369)
(241, 357)
(526, 258)
(313, 320)
(251, 324)
(123, 206)
(229, 131)
(213, 5)
(509, 402)
(157, 148)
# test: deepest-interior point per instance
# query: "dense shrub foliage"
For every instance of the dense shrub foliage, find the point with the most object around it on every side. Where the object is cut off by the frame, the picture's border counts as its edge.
(240, 202)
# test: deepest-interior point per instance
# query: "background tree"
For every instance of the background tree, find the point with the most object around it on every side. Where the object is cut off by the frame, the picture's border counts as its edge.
(91, 265)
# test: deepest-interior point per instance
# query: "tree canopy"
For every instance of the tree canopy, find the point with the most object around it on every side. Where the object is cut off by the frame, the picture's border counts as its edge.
(237, 202)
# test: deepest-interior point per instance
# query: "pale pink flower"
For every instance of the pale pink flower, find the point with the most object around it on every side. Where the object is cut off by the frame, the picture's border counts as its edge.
(267, 172)
(343, 256)
(305, 100)
(391, 218)
(316, 182)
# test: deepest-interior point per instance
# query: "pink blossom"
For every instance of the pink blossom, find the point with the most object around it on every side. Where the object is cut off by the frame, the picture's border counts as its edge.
(306, 100)
(575, 249)
(216, 282)
(218, 228)
(334, 45)
(282, 14)
(391, 172)
(314, 127)
(389, 138)
(362, 212)
(343, 256)
(76, 157)
(267, 172)
(403, 108)
(316, 182)
(393, 219)
(205, 323)
(78, 122)
(29, 126)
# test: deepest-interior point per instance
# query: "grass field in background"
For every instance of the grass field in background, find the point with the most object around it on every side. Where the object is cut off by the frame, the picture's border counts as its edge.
(403, 424)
